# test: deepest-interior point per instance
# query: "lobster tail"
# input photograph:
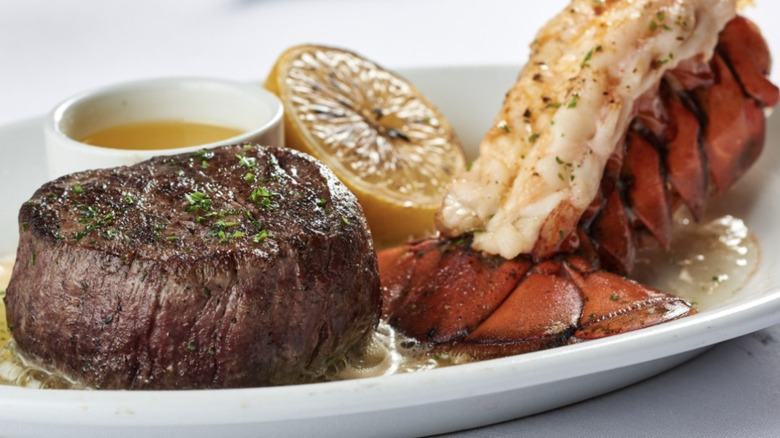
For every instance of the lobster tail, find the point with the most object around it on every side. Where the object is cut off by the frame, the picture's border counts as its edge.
(699, 132)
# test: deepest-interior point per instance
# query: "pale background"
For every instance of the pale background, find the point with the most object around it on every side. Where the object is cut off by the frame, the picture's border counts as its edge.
(52, 49)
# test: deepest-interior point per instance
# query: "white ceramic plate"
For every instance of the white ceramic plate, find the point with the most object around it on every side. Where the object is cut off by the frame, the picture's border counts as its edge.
(418, 404)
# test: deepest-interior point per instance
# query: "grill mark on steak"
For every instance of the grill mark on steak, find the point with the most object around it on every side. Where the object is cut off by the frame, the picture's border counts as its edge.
(240, 266)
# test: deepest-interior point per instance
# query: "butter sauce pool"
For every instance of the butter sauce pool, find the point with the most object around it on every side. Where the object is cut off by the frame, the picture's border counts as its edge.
(709, 263)
(159, 134)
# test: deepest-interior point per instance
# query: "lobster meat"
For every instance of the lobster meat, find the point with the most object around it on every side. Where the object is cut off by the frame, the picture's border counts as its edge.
(695, 131)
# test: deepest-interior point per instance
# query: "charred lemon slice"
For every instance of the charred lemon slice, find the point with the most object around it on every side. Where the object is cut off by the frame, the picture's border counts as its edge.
(375, 130)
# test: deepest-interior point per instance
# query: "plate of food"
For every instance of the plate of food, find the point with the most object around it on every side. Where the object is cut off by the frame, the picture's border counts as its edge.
(712, 254)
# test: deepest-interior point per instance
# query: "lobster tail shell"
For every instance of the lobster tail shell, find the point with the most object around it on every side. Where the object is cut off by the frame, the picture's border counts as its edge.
(439, 290)
(748, 55)
(686, 167)
(486, 306)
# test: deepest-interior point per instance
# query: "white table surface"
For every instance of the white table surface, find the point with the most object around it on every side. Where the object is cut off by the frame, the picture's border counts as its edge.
(52, 49)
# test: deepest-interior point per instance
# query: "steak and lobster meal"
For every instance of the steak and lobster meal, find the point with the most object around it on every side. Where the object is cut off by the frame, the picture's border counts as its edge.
(247, 265)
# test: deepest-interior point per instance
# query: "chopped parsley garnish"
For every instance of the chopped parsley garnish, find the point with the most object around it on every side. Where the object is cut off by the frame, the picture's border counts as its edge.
(653, 25)
(247, 162)
(90, 215)
(261, 196)
(573, 103)
(203, 154)
(197, 200)
(261, 236)
(584, 62)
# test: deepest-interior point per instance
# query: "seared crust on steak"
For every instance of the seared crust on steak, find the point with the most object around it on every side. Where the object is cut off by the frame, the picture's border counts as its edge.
(235, 267)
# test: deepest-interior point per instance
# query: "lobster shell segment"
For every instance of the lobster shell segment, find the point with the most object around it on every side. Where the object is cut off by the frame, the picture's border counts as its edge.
(435, 291)
(442, 292)
(686, 167)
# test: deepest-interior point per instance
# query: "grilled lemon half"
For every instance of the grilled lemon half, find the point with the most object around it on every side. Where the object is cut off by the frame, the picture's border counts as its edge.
(376, 131)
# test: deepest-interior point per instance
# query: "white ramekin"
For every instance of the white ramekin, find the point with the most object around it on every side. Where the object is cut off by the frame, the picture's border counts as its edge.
(239, 105)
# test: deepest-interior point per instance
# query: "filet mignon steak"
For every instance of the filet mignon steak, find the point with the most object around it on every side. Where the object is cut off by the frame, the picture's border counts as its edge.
(234, 267)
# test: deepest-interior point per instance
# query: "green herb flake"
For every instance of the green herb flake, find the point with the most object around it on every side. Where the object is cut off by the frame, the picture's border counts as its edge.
(77, 189)
(192, 346)
(203, 154)
(584, 62)
(532, 139)
(197, 200)
(246, 162)
(503, 126)
(573, 103)
(110, 233)
(613, 297)
(261, 196)
(261, 236)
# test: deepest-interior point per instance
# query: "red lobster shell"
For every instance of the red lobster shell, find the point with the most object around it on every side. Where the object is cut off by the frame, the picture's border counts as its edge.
(704, 126)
